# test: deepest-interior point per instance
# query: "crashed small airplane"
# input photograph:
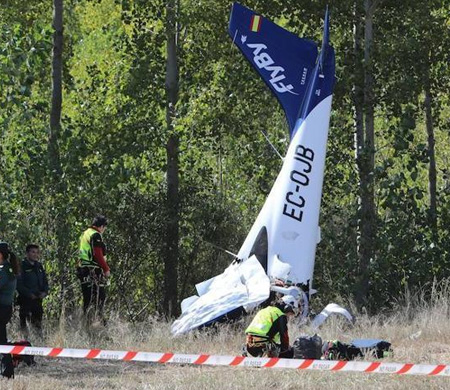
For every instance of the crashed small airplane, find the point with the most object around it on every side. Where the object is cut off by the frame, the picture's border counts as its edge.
(281, 244)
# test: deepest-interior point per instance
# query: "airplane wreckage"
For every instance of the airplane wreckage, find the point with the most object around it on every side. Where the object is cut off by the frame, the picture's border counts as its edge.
(278, 253)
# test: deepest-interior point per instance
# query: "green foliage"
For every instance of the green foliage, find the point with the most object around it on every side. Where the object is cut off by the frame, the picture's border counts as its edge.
(113, 141)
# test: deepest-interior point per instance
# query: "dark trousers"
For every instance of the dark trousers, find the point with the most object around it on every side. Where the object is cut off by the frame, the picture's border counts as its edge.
(5, 317)
(31, 311)
(269, 350)
(94, 296)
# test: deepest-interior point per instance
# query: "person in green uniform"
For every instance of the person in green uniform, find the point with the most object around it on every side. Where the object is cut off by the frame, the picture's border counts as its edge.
(9, 269)
(267, 335)
(33, 288)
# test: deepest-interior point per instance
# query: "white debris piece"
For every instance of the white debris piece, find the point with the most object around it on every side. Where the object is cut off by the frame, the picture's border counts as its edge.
(331, 308)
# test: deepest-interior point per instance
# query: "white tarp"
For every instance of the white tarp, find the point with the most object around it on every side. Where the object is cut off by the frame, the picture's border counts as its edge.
(245, 284)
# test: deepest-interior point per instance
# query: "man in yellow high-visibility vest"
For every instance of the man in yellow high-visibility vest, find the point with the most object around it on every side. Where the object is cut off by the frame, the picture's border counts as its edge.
(267, 335)
(93, 269)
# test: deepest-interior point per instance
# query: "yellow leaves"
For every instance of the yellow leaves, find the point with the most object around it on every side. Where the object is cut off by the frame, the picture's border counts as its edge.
(99, 23)
(94, 16)
(94, 159)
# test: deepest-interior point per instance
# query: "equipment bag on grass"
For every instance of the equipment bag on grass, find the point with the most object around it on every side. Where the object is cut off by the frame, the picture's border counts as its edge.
(6, 366)
(335, 350)
(373, 347)
(27, 359)
(306, 347)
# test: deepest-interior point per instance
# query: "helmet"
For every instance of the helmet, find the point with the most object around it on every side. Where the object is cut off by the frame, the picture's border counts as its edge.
(290, 304)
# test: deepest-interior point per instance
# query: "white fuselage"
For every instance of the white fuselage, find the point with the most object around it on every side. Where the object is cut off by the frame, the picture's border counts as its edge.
(291, 211)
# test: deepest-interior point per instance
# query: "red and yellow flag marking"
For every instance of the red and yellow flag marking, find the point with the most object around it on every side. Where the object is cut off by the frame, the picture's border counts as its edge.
(255, 24)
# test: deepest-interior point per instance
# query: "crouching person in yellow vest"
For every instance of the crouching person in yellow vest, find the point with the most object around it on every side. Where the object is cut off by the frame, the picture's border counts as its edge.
(267, 335)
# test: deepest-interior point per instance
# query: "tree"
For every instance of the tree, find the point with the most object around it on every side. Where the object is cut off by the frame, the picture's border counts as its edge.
(365, 140)
(173, 210)
(56, 178)
(56, 106)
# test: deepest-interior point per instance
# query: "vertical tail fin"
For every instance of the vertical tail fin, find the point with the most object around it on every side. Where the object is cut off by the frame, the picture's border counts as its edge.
(283, 60)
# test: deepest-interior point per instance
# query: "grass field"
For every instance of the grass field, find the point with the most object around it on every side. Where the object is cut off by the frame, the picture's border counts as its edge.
(418, 331)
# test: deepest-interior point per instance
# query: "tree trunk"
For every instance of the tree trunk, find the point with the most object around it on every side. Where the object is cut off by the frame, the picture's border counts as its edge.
(358, 88)
(55, 114)
(431, 154)
(365, 151)
(172, 228)
(57, 183)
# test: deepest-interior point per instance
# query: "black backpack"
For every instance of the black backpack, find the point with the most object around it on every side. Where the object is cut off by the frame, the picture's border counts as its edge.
(10, 361)
(27, 359)
(6, 366)
(306, 347)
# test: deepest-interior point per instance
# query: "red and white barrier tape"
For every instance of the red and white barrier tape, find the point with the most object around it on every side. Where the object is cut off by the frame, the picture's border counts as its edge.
(239, 361)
